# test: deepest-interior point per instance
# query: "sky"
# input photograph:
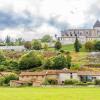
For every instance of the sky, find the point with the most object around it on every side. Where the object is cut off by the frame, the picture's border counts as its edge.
(31, 19)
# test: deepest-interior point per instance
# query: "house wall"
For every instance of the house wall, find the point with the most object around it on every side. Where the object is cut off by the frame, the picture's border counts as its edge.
(97, 77)
(67, 76)
(31, 78)
(52, 76)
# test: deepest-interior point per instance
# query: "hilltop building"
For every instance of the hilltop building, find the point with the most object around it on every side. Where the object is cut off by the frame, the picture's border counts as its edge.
(83, 35)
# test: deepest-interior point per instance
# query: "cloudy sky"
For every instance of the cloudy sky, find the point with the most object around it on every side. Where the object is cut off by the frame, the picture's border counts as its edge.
(34, 18)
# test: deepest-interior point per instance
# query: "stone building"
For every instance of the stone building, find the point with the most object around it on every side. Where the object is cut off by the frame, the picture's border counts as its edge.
(83, 35)
(38, 78)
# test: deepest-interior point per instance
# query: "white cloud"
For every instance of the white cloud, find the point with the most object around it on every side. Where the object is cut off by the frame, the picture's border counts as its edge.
(72, 12)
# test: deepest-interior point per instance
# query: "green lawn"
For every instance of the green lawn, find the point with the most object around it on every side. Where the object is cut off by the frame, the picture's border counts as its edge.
(69, 47)
(50, 93)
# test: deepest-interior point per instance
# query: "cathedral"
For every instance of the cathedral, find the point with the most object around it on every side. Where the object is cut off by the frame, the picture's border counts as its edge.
(83, 35)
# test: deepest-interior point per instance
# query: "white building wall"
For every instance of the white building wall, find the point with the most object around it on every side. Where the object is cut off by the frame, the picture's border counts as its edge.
(67, 76)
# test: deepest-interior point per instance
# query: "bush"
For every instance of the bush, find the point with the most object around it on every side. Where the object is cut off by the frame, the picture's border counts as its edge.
(85, 84)
(2, 79)
(30, 60)
(97, 82)
(9, 78)
(50, 82)
(70, 82)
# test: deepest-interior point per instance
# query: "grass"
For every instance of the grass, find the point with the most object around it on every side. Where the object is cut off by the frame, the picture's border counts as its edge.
(69, 47)
(50, 93)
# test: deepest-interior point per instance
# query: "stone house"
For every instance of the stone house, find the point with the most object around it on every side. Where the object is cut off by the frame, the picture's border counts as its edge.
(37, 78)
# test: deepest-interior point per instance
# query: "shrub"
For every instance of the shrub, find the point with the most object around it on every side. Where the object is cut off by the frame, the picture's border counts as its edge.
(70, 82)
(97, 82)
(9, 78)
(2, 79)
(50, 82)
(85, 84)
(30, 60)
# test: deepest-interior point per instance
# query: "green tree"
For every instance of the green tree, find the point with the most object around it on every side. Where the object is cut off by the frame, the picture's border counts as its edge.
(30, 60)
(2, 58)
(8, 40)
(89, 46)
(69, 60)
(48, 64)
(77, 45)
(58, 45)
(45, 47)
(28, 45)
(97, 46)
(37, 45)
(60, 62)
(19, 41)
(46, 38)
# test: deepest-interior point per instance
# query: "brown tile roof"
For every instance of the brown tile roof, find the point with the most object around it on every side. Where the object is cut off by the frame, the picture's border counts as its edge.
(32, 74)
(46, 72)
(94, 73)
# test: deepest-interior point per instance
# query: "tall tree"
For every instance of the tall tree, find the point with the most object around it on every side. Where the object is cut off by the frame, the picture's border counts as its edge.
(27, 45)
(37, 45)
(58, 45)
(89, 46)
(97, 46)
(46, 38)
(30, 60)
(77, 45)
(8, 40)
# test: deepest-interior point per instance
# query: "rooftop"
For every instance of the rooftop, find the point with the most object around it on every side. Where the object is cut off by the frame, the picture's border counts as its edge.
(97, 24)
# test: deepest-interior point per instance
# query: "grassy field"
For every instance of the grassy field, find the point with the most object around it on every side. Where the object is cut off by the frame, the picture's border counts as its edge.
(69, 47)
(50, 93)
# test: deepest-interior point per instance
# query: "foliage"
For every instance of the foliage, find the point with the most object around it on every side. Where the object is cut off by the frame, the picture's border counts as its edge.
(45, 47)
(2, 81)
(97, 46)
(58, 45)
(70, 82)
(50, 82)
(10, 77)
(48, 64)
(28, 45)
(97, 82)
(2, 58)
(37, 45)
(46, 38)
(77, 45)
(8, 40)
(89, 46)
(60, 62)
(68, 60)
(30, 60)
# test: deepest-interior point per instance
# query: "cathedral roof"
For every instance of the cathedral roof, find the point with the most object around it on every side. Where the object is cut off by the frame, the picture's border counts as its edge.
(97, 24)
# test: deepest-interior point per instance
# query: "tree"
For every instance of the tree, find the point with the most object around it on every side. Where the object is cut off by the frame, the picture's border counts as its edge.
(48, 64)
(69, 58)
(2, 58)
(19, 41)
(27, 45)
(97, 46)
(8, 40)
(60, 62)
(45, 47)
(77, 45)
(89, 46)
(46, 38)
(30, 60)
(37, 45)
(58, 45)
